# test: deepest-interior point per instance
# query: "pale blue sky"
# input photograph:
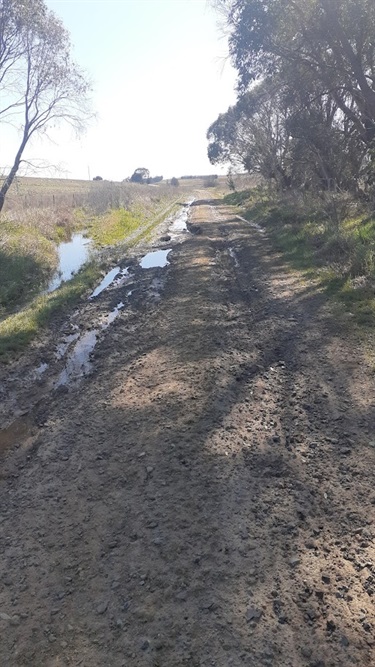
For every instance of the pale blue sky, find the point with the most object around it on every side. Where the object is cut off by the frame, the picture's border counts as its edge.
(160, 74)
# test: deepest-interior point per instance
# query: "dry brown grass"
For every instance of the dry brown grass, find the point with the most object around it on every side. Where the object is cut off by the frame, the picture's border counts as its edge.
(58, 193)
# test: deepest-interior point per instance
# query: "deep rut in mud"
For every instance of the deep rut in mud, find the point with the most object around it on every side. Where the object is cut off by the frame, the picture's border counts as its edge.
(204, 497)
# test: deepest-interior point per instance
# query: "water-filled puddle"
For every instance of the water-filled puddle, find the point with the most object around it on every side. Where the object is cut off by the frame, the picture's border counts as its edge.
(117, 276)
(63, 346)
(41, 369)
(112, 315)
(107, 280)
(233, 255)
(79, 362)
(155, 259)
(72, 255)
(180, 223)
(123, 277)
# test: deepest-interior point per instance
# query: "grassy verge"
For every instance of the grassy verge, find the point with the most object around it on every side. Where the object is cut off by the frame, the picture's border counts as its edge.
(28, 254)
(331, 239)
(17, 330)
(120, 225)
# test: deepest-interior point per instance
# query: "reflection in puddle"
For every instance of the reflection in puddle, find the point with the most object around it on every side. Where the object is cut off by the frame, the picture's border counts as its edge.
(180, 223)
(112, 315)
(41, 369)
(107, 280)
(79, 363)
(234, 257)
(122, 278)
(63, 346)
(72, 255)
(155, 259)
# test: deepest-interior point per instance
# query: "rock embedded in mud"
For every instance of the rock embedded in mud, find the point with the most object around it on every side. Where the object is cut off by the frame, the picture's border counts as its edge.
(253, 614)
(294, 561)
(145, 645)
(102, 607)
(4, 617)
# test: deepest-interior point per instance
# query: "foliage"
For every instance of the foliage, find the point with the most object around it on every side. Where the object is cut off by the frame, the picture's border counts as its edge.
(330, 39)
(305, 115)
(140, 175)
(174, 181)
(39, 84)
(154, 179)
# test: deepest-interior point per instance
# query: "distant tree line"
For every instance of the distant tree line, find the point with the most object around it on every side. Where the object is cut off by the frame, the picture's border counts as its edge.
(212, 176)
(142, 175)
(305, 112)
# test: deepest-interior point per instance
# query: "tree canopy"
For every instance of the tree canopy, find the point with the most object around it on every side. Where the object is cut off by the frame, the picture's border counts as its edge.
(140, 175)
(313, 63)
(40, 85)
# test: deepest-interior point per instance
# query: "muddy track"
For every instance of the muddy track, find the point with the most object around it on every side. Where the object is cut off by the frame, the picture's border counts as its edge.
(204, 496)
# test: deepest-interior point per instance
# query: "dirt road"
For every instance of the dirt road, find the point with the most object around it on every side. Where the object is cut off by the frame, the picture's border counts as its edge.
(205, 497)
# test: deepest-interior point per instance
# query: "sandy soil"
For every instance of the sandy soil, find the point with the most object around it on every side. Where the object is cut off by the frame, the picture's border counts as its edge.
(205, 496)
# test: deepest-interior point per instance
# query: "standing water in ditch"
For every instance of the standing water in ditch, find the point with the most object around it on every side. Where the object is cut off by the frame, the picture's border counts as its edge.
(79, 362)
(72, 255)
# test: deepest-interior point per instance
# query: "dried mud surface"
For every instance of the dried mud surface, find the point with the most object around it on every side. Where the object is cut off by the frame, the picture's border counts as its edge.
(205, 497)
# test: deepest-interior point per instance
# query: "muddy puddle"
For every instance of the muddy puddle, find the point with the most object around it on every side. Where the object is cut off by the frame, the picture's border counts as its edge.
(72, 256)
(79, 361)
(180, 223)
(233, 255)
(64, 345)
(107, 280)
(112, 315)
(116, 276)
(76, 348)
(41, 369)
(155, 259)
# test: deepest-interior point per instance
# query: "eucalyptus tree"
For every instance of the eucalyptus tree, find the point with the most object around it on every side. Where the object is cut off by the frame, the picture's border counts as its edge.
(40, 85)
(253, 135)
(331, 39)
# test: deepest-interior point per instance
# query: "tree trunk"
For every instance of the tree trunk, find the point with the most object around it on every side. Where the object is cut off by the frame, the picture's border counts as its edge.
(12, 174)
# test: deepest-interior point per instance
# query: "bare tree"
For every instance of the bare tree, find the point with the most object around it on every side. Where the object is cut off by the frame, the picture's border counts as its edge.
(39, 84)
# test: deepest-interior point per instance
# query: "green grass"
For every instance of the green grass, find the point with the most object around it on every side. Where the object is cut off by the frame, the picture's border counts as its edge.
(18, 329)
(113, 227)
(27, 258)
(339, 257)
